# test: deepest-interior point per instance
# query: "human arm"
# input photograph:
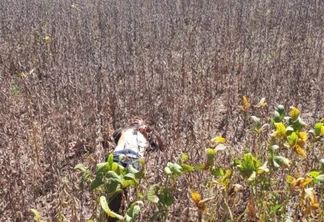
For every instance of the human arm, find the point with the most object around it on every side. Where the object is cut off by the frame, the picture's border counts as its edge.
(159, 142)
(153, 137)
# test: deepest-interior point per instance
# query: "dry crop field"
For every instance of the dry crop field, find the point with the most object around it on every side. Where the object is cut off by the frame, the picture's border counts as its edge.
(72, 71)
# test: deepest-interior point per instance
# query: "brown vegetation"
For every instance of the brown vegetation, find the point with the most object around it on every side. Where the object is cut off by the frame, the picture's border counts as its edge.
(72, 71)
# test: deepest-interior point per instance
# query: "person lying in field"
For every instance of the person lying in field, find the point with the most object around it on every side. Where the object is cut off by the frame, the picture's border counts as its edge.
(133, 142)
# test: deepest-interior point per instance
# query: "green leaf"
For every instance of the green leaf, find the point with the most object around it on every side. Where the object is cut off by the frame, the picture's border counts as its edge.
(252, 177)
(218, 171)
(282, 161)
(263, 168)
(314, 173)
(210, 156)
(236, 162)
(85, 178)
(289, 129)
(105, 207)
(248, 165)
(276, 117)
(297, 125)
(133, 211)
(281, 109)
(226, 179)
(131, 176)
(318, 128)
(175, 169)
(276, 165)
(184, 157)
(292, 139)
(115, 167)
(132, 170)
(96, 183)
(151, 194)
(320, 178)
(166, 197)
(279, 114)
(127, 183)
(102, 169)
(257, 124)
(81, 167)
(167, 171)
(110, 160)
(290, 179)
(199, 167)
(110, 179)
(187, 168)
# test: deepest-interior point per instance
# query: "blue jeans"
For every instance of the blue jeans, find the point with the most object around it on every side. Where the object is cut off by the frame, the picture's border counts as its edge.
(130, 158)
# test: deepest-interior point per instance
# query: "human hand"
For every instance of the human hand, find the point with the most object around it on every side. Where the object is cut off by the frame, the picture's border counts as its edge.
(145, 129)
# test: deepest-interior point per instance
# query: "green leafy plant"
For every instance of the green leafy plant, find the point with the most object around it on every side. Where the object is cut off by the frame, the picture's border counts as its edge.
(282, 144)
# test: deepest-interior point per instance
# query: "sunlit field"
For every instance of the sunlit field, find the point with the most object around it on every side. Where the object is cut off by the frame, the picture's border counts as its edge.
(235, 89)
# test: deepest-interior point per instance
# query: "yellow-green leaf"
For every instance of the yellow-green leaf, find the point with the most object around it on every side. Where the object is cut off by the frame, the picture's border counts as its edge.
(290, 179)
(280, 132)
(294, 113)
(322, 131)
(47, 38)
(303, 136)
(293, 138)
(210, 156)
(37, 216)
(105, 207)
(218, 139)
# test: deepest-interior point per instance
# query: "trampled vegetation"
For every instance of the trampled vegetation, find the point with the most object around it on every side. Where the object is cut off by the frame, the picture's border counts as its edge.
(73, 71)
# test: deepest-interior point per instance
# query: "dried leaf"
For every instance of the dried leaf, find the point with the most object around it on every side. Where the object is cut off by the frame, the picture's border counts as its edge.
(300, 151)
(313, 203)
(246, 104)
(251, 209)
(261, 104)
(195, 196)
(303, 182)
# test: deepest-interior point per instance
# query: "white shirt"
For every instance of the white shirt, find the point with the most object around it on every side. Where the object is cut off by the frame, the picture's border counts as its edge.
(132, 139)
